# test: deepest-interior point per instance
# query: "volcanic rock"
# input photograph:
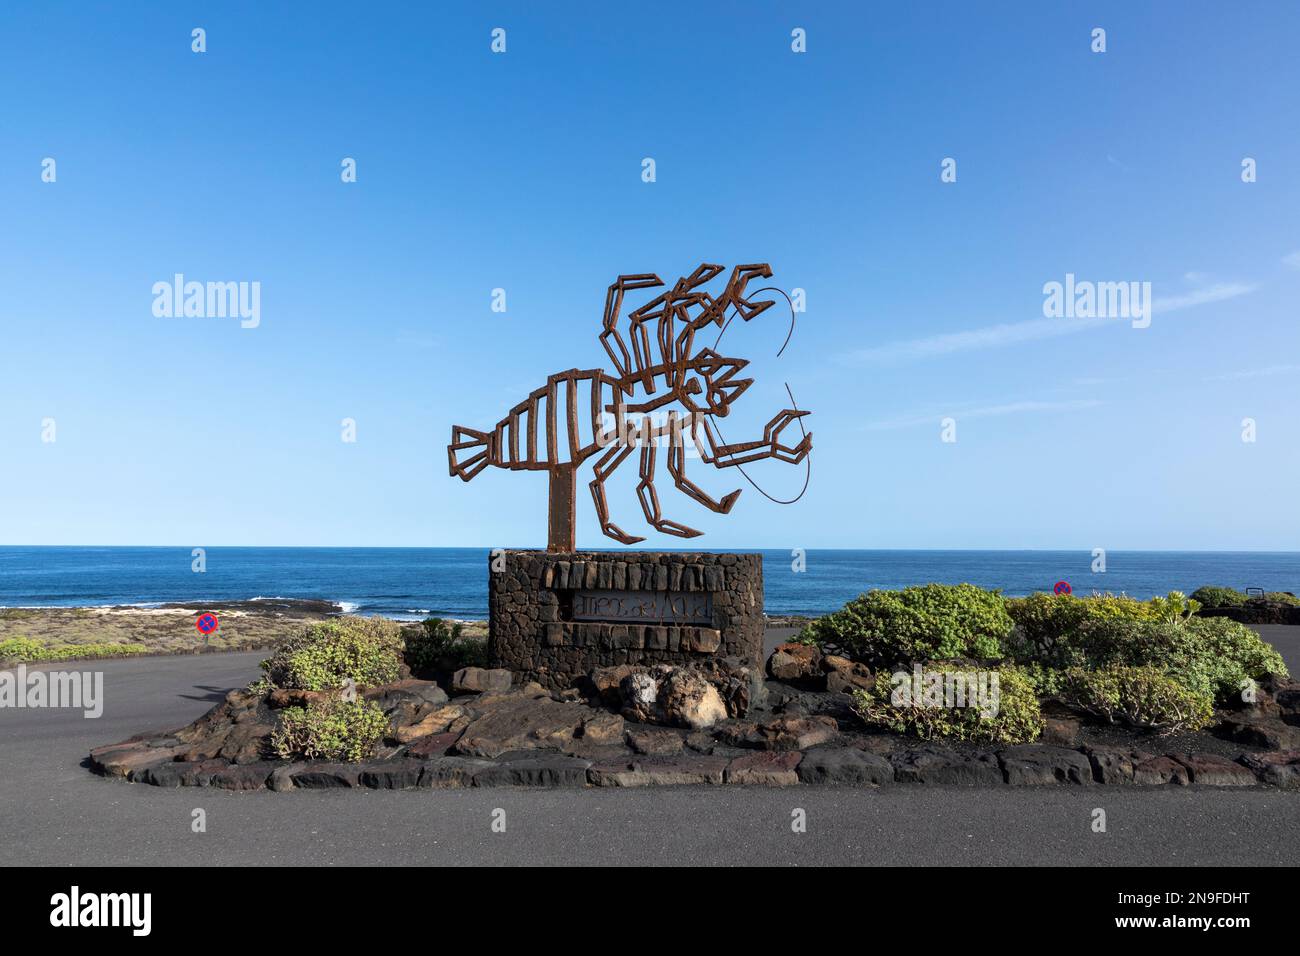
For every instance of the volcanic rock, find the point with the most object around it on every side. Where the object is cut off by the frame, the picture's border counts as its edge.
(844, 676)
(1257, 730)
(1159, 771)
(795, 663)
(934, 764)
(688, 700)
(659, 771)
(521, 722)
(1215, 771)
(1280, 770)
(434, 720)
(659, 743)
(1036, 764)
(845, 765)
(478, 680)
(766, 768)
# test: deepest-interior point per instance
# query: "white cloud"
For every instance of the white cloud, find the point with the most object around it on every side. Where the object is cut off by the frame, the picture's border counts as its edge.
(1214, 293)
(416, 340)
(1254, 373)
(1292, 260)
(985, 411)
(1014, 333)
(992, 336)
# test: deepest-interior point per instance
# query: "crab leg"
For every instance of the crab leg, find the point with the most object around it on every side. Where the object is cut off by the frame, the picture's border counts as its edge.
(614, 345)
(650, 498)
(603, 469)
(677, 468)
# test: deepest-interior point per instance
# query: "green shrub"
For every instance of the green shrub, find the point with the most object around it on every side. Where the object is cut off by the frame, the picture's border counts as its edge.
(1282, 597)
(435, 645)
(21, 649)
(326, 654)
(1046, 681)
(1213, 656)
(24, 650)
(1212, 596)
(1174, 608)
(1144, 697)
(329, 729)
(890, 704)
(1044, 622)
(932, 622)
(1233, 654)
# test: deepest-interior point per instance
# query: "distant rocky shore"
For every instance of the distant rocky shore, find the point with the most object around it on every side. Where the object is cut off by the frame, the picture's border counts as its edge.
(71, 633)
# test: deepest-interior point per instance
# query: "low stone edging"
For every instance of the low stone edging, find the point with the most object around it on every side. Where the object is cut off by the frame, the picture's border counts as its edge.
(670, 726)
(929, 765)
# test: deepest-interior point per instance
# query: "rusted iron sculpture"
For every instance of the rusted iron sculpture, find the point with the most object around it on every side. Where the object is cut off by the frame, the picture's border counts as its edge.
(545, 431)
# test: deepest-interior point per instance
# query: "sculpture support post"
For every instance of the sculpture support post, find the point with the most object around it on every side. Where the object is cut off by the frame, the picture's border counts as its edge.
(561, 535)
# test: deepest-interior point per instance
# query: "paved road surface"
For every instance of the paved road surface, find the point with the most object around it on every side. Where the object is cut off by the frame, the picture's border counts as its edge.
(52, 811)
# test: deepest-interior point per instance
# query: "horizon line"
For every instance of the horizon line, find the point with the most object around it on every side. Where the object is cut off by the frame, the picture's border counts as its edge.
(481, 547)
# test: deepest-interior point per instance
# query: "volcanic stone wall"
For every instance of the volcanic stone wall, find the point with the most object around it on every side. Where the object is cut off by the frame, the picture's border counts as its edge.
(531, 599)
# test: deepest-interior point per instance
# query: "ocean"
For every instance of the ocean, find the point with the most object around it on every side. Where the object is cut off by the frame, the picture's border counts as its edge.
(413, 583)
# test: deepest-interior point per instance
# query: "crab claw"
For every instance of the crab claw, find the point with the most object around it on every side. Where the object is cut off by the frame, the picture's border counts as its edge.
(796, 454)
(792, 454)
(740, 277)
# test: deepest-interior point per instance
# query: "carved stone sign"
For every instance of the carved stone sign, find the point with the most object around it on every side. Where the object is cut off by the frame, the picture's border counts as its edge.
(643, 607)
(554, 618)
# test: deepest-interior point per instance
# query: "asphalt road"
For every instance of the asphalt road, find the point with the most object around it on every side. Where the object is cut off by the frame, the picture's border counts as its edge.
(54, 812)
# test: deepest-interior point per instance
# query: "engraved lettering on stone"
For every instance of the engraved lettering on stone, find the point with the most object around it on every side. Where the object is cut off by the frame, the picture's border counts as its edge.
(665, 607)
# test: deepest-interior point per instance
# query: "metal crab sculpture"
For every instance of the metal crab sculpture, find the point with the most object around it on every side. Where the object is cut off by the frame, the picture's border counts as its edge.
(544, 433)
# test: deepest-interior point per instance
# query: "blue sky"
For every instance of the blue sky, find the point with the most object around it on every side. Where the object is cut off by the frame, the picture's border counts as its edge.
(523, 171)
